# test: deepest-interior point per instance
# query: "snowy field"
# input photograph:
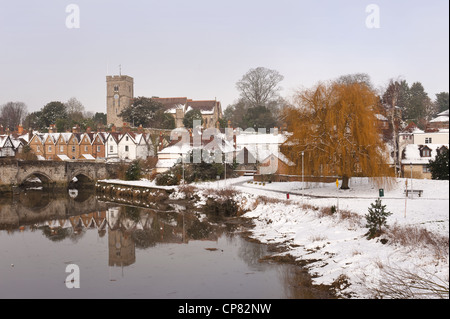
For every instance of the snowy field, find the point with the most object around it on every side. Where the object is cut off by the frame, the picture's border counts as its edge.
(416, 251)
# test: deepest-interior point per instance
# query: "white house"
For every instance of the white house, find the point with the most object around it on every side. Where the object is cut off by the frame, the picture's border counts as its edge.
(132, 146)
(111, 146)
(260, 145)
(415, 159)
(6, 146)
(439, 137)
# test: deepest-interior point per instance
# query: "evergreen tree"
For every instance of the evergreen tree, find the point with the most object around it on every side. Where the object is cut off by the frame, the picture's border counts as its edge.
(376, 218)
(442, 102)
(133, 172)
(439, 166)
(141, 112)
(190, 117)
(419, 103)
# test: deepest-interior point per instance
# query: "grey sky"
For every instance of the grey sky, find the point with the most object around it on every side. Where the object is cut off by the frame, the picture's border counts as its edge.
(200, 48)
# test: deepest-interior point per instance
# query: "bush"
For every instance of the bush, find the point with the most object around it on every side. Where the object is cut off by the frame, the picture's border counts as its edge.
(220, 207)
(376, 218)
(133, 172)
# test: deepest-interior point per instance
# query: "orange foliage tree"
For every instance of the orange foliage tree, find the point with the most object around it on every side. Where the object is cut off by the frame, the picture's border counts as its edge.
(334, 124)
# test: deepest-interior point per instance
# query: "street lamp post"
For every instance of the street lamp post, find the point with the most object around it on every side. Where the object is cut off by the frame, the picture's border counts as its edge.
(303, 153)
(410, 166)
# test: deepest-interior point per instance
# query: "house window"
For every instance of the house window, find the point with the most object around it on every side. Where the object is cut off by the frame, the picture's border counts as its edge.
(126, 138)
(126, 148)
(73, 149)
(428, 140)
(98, 148)
(38, 148)
(111, 148)
(61, 148)
(426, 152)
(49, 148)
(426, 169)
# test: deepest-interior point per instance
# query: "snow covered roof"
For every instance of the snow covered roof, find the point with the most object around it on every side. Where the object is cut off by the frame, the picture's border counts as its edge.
(178, 148)
(88, 156)
(413, 154)
(441, 118)
(255, 138)
(445, 113)
(381, 117)
(63, 157)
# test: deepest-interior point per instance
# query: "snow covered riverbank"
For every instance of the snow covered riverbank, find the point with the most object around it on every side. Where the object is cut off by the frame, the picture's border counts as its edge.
(414, 248)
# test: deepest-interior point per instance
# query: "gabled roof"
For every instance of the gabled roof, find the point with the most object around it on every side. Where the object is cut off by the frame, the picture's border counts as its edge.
(281, 157)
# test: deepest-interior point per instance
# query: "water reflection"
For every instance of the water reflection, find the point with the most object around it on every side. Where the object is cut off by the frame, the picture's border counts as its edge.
(153, 244)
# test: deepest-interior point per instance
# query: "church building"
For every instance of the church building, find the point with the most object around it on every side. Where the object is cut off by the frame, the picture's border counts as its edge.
(120, 94)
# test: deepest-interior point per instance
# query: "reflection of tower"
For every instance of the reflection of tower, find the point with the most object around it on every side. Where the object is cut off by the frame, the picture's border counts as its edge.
(122, 250)
(119, 95)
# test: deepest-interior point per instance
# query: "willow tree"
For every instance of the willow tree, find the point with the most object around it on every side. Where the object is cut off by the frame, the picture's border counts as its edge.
(335, 125)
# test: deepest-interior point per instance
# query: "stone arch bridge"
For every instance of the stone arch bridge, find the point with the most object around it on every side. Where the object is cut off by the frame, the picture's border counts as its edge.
(52, 174)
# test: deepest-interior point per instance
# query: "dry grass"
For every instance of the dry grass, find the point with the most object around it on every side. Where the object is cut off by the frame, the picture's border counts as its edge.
(405, 284)
(415, 237)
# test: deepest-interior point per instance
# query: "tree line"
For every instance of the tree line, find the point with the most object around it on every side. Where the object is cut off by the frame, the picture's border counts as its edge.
(63, 115)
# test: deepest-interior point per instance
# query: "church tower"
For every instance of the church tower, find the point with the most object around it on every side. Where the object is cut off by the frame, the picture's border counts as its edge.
(119, 95)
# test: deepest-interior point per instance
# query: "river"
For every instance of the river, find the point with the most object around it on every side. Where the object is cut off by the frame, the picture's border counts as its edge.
(78, 245)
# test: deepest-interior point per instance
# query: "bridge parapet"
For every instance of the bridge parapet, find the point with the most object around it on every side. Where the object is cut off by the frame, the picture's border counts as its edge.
(53, 174)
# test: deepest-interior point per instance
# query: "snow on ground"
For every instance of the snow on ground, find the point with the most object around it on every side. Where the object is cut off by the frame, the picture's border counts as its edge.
(337, 246)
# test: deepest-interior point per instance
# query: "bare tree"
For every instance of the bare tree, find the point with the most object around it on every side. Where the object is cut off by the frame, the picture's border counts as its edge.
(75, 109)
(260, 86)
(12, 114)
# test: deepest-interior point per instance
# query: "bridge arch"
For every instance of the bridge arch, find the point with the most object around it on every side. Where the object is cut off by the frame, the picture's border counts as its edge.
(45, 180)
(82, 176)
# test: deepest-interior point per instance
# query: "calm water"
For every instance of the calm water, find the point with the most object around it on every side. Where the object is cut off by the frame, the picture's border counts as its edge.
(130, 252)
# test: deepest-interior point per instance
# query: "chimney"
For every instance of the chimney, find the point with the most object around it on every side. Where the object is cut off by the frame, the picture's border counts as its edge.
(76, 129)
(2, 130)
(52, 128)
(140, 129)
(113, 129)
(125, 128)
(88, 130)
(20, 129)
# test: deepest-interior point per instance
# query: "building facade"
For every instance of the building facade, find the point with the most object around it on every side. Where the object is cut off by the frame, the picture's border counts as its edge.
(119, 96)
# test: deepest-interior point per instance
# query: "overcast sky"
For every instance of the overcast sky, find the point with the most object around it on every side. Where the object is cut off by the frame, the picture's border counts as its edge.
(201, 48)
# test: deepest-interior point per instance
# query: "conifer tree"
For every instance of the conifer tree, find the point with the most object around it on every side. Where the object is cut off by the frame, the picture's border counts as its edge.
(376, 218)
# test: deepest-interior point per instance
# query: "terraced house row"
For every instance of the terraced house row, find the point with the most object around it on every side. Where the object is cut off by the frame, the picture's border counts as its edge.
(91, 146)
